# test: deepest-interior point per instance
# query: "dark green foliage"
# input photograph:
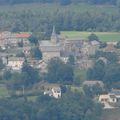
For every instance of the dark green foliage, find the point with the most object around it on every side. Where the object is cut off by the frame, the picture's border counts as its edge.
(1, 64)
(59, 72)
(73, 18)
(103, 45)
(71, 60)
(65, 2)
(93, 37)
(36, 53)
(112, 76)
(20, 44)
(7, 75)
(97, 72)
(110, 56)
(117, 45)
(69, 107)
(29, 75)
(33, 39)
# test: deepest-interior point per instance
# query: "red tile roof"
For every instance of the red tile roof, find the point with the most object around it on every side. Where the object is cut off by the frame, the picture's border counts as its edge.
(23, 35)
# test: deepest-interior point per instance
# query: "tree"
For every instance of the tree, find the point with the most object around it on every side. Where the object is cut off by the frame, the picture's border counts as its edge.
(59, 72)
(93, 37)
(20, 44)
(112, 57)
(7, 75)
(71, 60)
(33, 39)
(112, 76)
(117, 45)
(30, 75)
(36, 53)
(65, 2)
(1, 64)
(103, 45)
(97, 72)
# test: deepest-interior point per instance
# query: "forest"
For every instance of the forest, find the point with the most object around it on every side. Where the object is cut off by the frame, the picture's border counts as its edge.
(63, 2)
(90, 15)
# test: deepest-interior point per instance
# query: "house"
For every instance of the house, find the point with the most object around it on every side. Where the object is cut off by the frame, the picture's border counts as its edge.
(84, 64)
(23, 37)
(109, 48)
(15, 63)
(12, 39)
(92, 83)
(116, 92)
(107, 98)
(54, 92)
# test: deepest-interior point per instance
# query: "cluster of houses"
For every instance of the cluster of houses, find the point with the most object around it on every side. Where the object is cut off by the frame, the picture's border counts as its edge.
(107, 99)
(57, 46)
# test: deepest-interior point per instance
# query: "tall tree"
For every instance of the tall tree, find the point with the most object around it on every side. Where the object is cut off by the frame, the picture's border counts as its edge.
(58, 71)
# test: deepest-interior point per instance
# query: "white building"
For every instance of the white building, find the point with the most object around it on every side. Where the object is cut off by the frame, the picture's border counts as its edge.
(54, 92)
(107, 98)
(15, 63)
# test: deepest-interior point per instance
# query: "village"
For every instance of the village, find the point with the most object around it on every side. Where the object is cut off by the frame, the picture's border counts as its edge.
(15, 49)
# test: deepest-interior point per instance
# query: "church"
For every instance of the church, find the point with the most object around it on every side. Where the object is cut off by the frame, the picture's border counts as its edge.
(50, 48)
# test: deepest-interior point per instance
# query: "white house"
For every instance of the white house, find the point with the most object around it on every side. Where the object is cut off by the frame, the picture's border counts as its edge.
(107, 98)
(15, 63)
(54, 92)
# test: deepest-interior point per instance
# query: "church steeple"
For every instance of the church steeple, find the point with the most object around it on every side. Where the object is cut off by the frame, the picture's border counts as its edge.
(54, 37)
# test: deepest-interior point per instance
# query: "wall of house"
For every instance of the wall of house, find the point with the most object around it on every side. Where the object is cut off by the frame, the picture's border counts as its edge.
(48, 55)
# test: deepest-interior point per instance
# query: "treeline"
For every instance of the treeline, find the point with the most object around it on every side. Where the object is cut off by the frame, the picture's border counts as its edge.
(28, 20)
(63, 2)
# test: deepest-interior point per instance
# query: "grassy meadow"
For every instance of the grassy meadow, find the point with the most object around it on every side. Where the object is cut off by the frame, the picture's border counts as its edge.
(103, 36)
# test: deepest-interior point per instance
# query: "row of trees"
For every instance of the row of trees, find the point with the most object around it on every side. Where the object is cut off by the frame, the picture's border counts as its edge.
(29, 20)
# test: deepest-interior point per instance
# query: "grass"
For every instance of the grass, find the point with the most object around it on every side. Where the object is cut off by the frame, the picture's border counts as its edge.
(3, 91)
(103, 36)
(81, 74)
(32, 98)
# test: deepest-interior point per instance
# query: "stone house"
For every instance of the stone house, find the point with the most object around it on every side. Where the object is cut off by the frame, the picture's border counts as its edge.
(15, 63)
(92, 83)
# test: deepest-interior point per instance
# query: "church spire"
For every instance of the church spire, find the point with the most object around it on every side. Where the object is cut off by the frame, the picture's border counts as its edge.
(54, 37)
(54, 31)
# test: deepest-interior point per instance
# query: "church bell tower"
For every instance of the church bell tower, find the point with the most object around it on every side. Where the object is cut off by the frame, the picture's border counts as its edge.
(54, 37)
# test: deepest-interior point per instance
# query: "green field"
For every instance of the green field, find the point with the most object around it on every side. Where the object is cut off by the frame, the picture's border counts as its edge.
(103, 36)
